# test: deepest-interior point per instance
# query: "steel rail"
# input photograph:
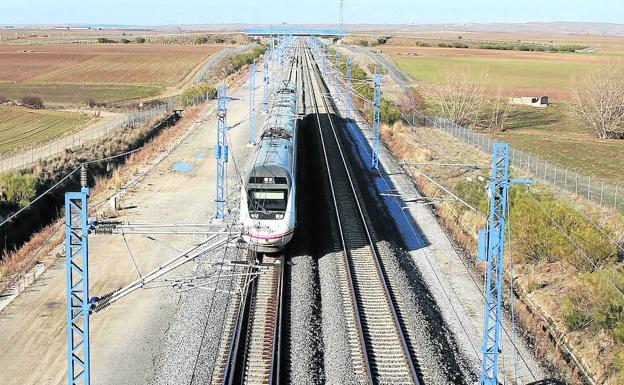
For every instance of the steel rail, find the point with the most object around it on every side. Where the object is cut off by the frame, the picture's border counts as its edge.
(356, 314)
(372, 246)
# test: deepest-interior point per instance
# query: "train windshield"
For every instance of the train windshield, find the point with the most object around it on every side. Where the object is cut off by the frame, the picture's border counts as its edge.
(267, 200)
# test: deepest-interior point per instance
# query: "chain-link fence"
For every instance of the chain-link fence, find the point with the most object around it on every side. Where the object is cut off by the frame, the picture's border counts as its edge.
(19, 158)
(598, 190)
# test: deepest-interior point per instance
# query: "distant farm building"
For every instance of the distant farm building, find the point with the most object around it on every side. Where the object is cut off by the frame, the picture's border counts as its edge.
(533, 101)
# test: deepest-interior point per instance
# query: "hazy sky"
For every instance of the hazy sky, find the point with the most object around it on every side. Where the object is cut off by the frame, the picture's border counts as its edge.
(154, 12)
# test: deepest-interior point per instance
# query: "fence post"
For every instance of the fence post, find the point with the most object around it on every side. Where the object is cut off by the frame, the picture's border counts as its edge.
(617, 186)
(556, 174)
(545, 167)
(602, 190)
(589, 186)
(576, 181)
(565, 181)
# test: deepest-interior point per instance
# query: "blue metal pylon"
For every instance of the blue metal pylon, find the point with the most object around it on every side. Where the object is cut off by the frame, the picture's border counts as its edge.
(265, 100)
(348, 90)
(252, 104)
(337, 76)
(221, 151)
(376, 121)
(492, 251)
(77, 279)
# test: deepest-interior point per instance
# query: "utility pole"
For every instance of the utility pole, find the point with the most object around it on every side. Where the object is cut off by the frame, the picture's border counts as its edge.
(265, 102)
(337, 74)
(348, 90)
(252, 105)
(491, 251)
(77, 279)
(376, 121)
(341, 15)
(221, 151)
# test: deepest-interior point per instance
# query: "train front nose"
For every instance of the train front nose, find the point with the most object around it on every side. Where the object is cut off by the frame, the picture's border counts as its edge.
(272, 236)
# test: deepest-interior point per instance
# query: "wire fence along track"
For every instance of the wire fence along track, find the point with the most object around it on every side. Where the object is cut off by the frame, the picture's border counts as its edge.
(386, 357)
(592, 188)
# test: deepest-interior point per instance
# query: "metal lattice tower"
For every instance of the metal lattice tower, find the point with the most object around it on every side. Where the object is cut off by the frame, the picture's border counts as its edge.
(265, 100)
(341, 15)
(337, 76)
(492, 251)
(348, 100)
(376, 121)
(252, 104)
(77, 279)
(221, 151)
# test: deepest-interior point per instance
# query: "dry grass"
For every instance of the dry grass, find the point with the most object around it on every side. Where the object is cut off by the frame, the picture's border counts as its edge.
(544, 285)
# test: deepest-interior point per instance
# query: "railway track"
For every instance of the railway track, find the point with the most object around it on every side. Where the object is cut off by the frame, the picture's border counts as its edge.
(251, 354)
(379, 348)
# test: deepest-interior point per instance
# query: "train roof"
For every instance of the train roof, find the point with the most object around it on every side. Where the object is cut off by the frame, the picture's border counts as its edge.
(273, 158)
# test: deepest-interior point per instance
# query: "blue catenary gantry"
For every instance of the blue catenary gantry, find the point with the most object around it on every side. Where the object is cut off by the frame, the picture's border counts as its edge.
(77, 280)
(252, 104)
(221, 152)
(337, 75)
(376, 121)
(348, 100)
(265, 99)
(492, 250)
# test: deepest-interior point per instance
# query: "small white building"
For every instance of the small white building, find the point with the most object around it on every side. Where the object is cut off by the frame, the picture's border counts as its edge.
(533, 101)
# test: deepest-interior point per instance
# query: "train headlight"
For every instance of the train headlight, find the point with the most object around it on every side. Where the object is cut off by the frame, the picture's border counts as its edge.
(279, 216)
(254, 216)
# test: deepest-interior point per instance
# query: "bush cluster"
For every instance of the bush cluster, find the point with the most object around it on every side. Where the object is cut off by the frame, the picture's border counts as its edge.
(197, 93)
(32, 102)
(453, 45)
(243, 59)
(597, 304)
(105, 40)
(18, 188)
(532, 47)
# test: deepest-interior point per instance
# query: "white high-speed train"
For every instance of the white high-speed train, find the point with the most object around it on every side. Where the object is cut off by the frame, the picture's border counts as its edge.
(268, 205)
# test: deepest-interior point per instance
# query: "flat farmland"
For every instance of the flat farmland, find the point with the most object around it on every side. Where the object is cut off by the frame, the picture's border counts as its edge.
(21, 126)
(517, 73)
(601, 43)
(105, 73)
(551, 133)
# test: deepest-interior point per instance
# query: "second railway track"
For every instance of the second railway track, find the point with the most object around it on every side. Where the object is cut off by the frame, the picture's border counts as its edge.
(380, 349)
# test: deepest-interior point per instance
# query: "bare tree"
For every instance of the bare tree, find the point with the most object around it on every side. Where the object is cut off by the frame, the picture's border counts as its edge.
(411, 104)
(499, 114)
(598, 101)
(461, 98)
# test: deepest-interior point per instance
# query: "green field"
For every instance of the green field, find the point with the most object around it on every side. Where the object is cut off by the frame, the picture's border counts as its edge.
(547, 75)
(77, 93)
(553, 134)
(21, 126)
